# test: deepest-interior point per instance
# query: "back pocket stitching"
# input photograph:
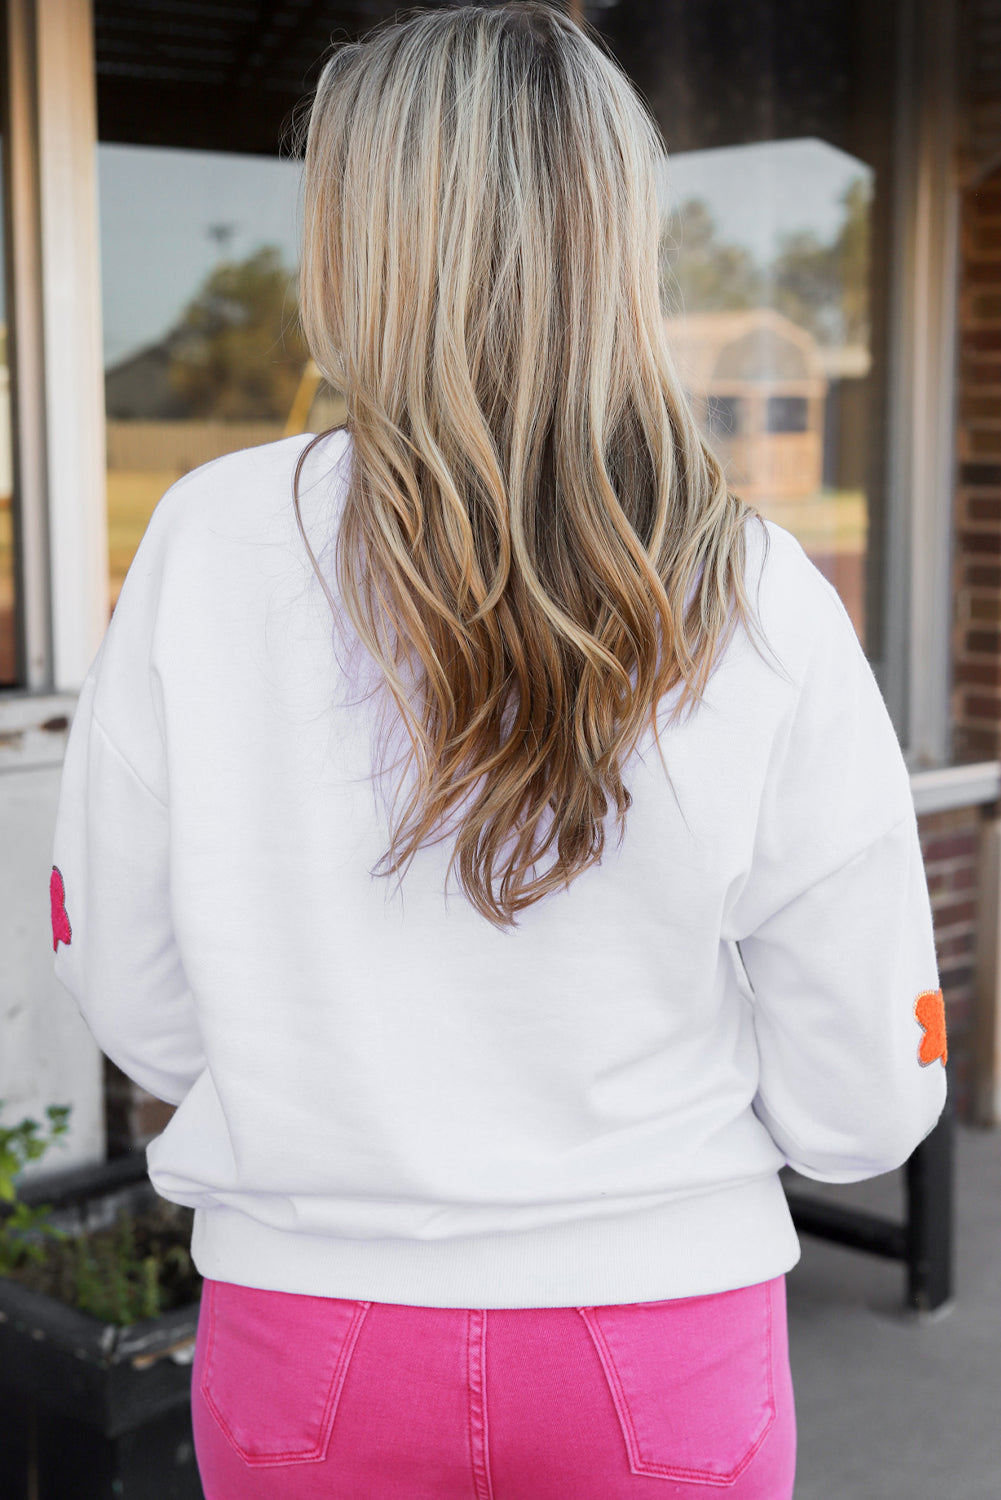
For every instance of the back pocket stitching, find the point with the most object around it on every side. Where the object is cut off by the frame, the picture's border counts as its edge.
(642, 1466)
(290, 1455)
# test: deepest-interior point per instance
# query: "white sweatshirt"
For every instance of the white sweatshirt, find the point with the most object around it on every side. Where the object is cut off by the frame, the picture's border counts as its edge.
(381, 1096)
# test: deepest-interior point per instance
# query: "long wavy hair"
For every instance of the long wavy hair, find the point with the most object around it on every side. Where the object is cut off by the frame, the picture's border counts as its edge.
(536, 544)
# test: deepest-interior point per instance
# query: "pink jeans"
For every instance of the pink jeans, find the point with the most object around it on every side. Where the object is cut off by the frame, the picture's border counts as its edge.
(333, 1399)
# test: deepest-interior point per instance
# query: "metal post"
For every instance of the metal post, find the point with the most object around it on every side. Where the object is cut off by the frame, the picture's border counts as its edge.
(930, 1218)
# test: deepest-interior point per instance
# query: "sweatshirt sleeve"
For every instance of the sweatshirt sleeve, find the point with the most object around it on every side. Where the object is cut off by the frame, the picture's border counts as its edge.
(833, 929)
(112, 935)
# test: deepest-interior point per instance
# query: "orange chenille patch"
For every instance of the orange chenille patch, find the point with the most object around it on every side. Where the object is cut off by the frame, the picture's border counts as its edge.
(930, 1011)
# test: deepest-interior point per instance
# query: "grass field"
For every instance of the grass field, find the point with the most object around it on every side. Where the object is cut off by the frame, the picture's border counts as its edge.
(830, 522)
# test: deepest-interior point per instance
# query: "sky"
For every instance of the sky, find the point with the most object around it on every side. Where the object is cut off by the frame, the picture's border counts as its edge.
(760, 192)
(168, 216)
(158, 208)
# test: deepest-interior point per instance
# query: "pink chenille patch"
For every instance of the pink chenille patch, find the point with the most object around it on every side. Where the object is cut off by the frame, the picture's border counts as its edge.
(60, 921)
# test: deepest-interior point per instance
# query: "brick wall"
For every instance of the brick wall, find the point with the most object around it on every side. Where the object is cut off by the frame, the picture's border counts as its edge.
(976, 697)
(950, 840)
(132, 1117)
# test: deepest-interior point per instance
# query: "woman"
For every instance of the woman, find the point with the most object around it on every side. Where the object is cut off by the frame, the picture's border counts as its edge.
(500, 941)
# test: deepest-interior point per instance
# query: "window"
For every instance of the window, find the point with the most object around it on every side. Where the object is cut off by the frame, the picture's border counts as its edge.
(805, 204)
(776, 200)
(787, 414)
(722, 414)
(199, 217)
(203, 354)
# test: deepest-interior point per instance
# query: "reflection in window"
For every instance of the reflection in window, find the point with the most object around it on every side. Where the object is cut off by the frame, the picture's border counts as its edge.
(203, 352)
(787, 414)
(722, 414)
(767, 281)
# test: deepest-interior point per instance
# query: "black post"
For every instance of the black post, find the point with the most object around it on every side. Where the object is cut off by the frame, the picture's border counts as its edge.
(930, 1215)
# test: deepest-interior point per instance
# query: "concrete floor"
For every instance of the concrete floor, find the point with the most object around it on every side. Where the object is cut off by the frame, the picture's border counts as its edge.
(894, 1405)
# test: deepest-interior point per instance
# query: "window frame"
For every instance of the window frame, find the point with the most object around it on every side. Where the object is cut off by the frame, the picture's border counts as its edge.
(57, 376)
(915, 675)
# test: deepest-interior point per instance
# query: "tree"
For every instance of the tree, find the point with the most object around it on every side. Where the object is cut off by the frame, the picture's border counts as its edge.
(701, 274)
(237, 351)
(825, 287)
(854, 250)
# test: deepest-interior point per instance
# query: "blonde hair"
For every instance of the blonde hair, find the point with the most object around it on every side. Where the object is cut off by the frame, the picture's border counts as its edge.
(534, 528)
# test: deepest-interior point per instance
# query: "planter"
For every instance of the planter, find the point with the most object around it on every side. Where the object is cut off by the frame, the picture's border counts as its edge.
(90, 1410)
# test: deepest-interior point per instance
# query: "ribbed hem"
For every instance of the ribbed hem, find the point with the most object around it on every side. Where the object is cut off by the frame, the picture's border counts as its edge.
(686, 1248)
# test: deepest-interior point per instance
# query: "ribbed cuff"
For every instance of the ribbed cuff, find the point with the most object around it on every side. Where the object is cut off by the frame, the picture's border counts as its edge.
(688, 1247)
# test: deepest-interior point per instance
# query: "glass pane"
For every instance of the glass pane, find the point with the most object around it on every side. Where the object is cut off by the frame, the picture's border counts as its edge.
(202, 350)
(769, 249)
(776, 209)
(778, 120)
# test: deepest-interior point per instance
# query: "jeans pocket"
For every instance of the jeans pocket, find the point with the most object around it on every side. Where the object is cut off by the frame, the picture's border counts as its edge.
(274, 1368)
(692, 1380)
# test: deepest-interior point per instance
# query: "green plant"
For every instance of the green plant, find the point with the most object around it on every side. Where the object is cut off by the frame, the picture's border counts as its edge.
(20, 1144)
(114, 1282)
(101, 1272)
